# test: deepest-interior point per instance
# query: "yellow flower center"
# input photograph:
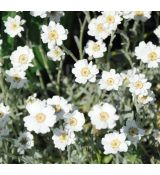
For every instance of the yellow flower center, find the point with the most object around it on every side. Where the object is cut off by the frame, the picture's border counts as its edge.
(96, 47)
(133, 131)
(152, 56)
(85, 72)
(110, 19)
(23, 59)
(139, 13)
(73, 121)
(63, 137)
(56, 52)
(14, 26)
(16, 78)
(57, 108)
(40, 117)
(138, 85)
(100, 28)
(53, 35)
(103, 116)
(115, 143)
(110, 81)
(1, 114)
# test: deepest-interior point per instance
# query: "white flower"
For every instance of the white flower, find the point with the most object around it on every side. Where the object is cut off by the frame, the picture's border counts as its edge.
(60, 105)
(138, 84)
(110, 80)
(114, 143)
(156, 135)
(53, 34)
(98, 28)
(42, 14)
(95, 49)
(4, 113)
(16, 77)
(157, 31)
(132, 131)
(148, 53)
(113, 19)
(24, 142)
(1, 42)
(75, 121)
(56, 53)
(63, 138)
(103, 116)
(14, 26)
(56, 15)
(40, 118)
(22, 57)
(84, 71)
(146, 97)
(137, 15)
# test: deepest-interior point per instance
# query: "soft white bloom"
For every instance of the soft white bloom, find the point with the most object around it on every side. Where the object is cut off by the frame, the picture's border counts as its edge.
(54, 34)
(75, 121)
(24, 142)
(114, 143)
(56, 53)
(156, 135)
(41, 117)
(60, 105)
(85, 71)
(42, 14)
(113, 19)
(132, 131)
(95, 48)
(137, 15)
(138, 84)
(110, 80)
(22, 57)
(14, 26)
(16, 77)
(148, 53)
(4, 112)
(63, 138)
(1, 42)
(98, 28)
(103, 116)
(56, 15)
(157, 31)
(146, 97)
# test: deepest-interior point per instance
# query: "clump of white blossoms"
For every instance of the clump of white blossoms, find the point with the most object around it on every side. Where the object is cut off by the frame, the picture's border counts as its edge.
(113, 19)
(132, 131)
(74, 121)
(60, 105)
(56, 53)
(17, 77)
(42, 14)
(110, 80)
(138, 84)
(53, 34)
(41, 117)
(24, 142)
(95, 49)
(22, 57)
(146, 97)
(137, 15)
(157, 32)
(98, 28)
(148, 53)
(85, 71)
(63, 138)
(4, 113)
(114, 143)
(14, 26)
(103, 116)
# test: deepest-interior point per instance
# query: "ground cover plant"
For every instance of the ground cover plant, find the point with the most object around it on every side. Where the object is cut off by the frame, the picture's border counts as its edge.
(79, 87)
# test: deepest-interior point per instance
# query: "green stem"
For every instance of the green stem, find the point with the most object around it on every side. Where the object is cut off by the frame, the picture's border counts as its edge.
(68, 52)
